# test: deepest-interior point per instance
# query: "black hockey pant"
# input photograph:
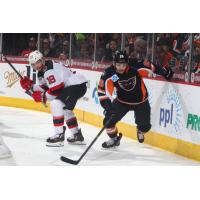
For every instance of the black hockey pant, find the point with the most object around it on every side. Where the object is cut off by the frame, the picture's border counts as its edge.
(142, 114)
(70, 95)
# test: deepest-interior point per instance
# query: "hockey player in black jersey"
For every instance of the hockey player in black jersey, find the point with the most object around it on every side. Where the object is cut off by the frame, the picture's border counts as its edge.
(131, 94)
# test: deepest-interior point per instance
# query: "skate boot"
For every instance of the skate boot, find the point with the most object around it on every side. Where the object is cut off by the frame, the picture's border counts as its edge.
(140, 136)
(76, 138)
(112, 142)
(56, 140)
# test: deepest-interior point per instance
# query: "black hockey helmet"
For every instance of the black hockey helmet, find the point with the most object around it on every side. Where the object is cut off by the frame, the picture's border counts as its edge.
(120, 57)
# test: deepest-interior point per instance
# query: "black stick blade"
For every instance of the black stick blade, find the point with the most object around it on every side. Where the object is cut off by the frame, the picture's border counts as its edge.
(67, 160)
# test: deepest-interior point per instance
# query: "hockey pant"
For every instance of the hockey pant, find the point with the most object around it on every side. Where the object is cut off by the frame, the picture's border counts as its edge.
(118, 110)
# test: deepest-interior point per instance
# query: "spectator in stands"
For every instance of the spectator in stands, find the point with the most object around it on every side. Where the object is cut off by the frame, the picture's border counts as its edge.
(32, 46)
(140, 48)
(102, 39)
(178, 42)
(110, 52)
(172, 50)
(56, 41)
(163, 56)
(163, 39)
(64, 49)
(46, 50)
(100, 52)
(84, 51)
(196, 55)
(62, 57)
(139, 51)
(116, 37)
(131, 37)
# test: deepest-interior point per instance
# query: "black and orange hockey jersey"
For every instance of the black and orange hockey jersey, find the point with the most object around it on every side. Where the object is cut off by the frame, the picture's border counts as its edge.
(129, 86)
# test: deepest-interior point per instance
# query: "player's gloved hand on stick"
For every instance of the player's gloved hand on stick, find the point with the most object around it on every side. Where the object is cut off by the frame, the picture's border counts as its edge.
(110, 120)
(26, 83)
(39, 97)
(106, 112)
(110, 116)
(107, 106)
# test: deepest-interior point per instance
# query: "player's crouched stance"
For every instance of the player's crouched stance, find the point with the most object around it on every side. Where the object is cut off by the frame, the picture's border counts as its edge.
(131, 95)
(62, 87)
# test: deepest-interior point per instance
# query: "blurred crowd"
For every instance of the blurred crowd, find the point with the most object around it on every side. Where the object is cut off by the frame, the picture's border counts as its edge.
(174, 49)
(168, 50)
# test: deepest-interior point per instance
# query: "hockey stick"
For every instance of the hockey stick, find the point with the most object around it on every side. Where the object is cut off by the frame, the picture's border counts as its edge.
(30, 92)
(76, 162)
(20, 76)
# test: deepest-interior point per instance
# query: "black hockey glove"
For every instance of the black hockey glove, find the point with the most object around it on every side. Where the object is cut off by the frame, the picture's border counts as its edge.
(106, 104)
(167, 73)
(111, 117)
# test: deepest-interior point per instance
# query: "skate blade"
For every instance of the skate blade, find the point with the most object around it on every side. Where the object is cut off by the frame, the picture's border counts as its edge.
(58, 144)
(77, 143)
(115, 148)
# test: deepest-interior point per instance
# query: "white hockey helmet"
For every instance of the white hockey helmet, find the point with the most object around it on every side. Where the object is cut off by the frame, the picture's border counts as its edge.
(34, 57)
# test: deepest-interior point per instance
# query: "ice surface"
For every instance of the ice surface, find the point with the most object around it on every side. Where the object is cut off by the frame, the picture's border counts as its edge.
(25, 132)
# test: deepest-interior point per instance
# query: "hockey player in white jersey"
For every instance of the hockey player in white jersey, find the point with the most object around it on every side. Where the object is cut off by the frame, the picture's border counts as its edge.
(62, 88)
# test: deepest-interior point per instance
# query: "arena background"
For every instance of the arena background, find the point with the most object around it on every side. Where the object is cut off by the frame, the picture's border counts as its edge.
(175, 115)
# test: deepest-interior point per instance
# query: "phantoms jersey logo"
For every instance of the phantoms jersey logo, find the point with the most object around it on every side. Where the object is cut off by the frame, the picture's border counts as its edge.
(129, 84)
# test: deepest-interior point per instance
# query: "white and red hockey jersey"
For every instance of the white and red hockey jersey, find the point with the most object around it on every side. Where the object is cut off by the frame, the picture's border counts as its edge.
(55, 77)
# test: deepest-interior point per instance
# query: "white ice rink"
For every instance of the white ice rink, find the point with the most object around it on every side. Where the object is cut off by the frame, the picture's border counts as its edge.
(25, 133)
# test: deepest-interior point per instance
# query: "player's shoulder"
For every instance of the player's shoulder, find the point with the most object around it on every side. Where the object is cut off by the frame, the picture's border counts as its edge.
(53, 65)
(50, 67)
(49, 64)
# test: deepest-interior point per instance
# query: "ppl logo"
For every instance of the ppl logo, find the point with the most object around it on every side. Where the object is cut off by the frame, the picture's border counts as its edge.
(166, 116)
(95, 94)
(171, 116)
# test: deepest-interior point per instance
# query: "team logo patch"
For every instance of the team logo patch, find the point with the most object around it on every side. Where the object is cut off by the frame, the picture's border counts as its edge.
(115, 78)
(129, 84)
